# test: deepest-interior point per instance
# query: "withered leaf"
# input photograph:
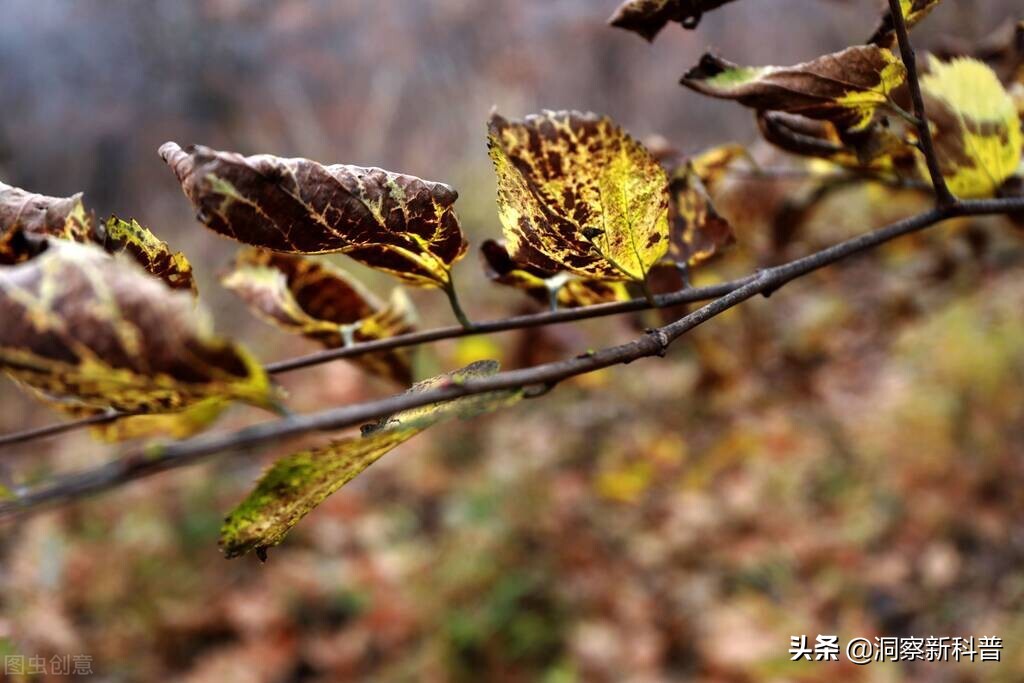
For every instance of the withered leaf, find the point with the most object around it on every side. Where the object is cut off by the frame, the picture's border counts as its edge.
(85, 327)
(149, 251)
(913, 12)
(396, 223)
(845, 88)
(577, 193)
(321, 301)
(27, 219)
(698, 232)
(648, 17)
(547, 288)
(298, 483)
(976, 127)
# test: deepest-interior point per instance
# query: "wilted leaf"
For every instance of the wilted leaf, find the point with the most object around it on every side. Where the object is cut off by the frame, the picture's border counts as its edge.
(576, 193)
(150, 252)
(82, 326)
(975, 125)
(322, 302)
(845, 88)
(396, 223)
(295, 485)
(27, 219)
(913, 12)
(648, 17)
(698, 231)
(569, 292)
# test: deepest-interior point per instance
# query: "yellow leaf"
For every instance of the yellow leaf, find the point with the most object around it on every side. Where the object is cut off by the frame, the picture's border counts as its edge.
(576, 193)
(976, 128)
(151, 252)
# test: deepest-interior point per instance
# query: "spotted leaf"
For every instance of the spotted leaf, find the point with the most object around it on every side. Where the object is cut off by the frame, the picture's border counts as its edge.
(27, 219)
(698, 232)
(82, 326)
(296, 484)
(555, 289)
(845, 88)
(149, 251)
(396, 223)
(648, 17)
(576, 193)
(322, 302)
(975, 126)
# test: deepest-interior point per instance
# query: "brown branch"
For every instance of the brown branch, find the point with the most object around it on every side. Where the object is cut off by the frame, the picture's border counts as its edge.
(654, 343)
(943, 196)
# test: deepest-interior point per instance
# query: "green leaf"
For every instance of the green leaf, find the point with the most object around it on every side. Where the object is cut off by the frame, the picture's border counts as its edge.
(324, 303)
(296, 484)
(98, 332)
(396, 223)
(576, 193)
(975, 126)
(845, 88)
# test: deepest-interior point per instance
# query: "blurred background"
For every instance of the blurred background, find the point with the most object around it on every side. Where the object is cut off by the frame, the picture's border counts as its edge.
(845, 458)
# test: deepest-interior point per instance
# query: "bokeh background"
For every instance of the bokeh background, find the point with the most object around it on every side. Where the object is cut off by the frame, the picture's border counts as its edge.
(846, 457)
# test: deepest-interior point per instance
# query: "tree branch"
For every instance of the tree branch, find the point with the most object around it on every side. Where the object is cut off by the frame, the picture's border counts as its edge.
(653, 343)
(943, 196)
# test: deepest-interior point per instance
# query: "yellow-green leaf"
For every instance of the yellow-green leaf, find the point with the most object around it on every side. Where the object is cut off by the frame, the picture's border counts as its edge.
(82, 326)
(296, 484)
(396, 223)
(976, 128)
(560, 289)
(577, 193)
(321, 301)
(27, 219)
(149, 251)
(845, 88)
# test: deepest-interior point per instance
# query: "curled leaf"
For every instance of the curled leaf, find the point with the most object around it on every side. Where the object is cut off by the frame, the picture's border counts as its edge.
(322, 302)
(913, 12)
(298, 483)
(845, 88)
(648, 17)
(27, 219)
(82, 326)
(577, 193)
(698, 231)
(149, 251)
(976, 128)
(547, 288)
(396, 223)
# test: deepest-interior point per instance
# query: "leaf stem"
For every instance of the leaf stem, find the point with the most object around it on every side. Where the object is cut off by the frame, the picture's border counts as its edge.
(453, 299)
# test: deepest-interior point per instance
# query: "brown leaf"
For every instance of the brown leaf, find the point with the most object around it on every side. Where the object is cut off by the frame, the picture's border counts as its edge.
(648, 17)
(698, 232)
(27, 219)
(324, 303)
(396, 223)
(845, 88)
(913, 12)
(149, 251)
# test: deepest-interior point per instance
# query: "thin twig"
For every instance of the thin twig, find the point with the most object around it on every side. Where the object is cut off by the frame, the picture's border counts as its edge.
(654, 343)
(943, 196)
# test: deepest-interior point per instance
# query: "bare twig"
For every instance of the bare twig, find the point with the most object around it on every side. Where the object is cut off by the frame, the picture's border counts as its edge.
(654, 343)
(942, 194)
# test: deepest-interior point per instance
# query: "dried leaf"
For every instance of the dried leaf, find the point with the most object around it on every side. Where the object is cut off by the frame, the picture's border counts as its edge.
(322, 302)
(648, 17)
(82, 326)
(296, 484)
(568, 291)
(698, 231)
(27, 219)
(976, 128)
(149, 251)
(845, 88)
(913, 12)
(576, 193)
(396, 223)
